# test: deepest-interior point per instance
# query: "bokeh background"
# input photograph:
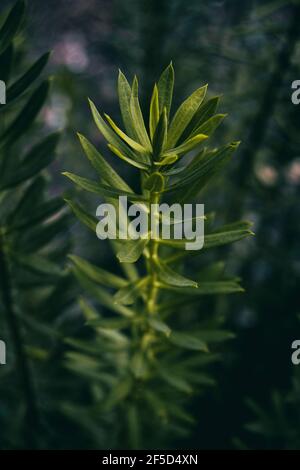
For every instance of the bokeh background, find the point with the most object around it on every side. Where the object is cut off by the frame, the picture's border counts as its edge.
(249, 52)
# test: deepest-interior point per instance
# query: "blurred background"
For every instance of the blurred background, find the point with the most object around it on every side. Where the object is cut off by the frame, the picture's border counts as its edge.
(249, 52)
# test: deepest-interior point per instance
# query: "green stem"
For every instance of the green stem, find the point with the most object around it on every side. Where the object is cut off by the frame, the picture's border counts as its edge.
(153, 255)
(23, 368)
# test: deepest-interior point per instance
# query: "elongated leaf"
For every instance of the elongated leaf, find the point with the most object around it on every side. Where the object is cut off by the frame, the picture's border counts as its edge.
(140, 165)
(89, 220)
(38, 264)
(98, 188)
(38, 237)
(210, 125)
(159, 326)
(215, 336)
(212, 239)
(11, 25)
(223, 238)
(194, 174)
(160, 135)
(187, 146)
(110, 323)
(137, 116)
(167, 161)
(131, 250)
(42, 211)
(128, 294)
(98, 275)
(109, 134)
(105, 171)
(165, 89)
(35, 161)
(101, 295)
(206, 288)
(154, 112)
(204, 112)
(184, 115)
(170, 277)
(26, 117)
(192, 190)
(187, 341)
(176, 381)
(239, 225)
(24, 82)
(124, 91)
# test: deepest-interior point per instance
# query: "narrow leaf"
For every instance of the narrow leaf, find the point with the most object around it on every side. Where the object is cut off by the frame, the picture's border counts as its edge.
(132, 250)
(137, 116)
(98, 275)
(184, 115)
(165, 89)
(187, 341)
(154, 112)
(98, 188)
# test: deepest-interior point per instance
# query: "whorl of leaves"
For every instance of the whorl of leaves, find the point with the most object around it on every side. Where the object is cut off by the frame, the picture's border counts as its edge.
(145, 355)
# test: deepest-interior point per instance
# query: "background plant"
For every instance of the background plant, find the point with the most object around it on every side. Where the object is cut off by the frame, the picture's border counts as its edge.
(34, 289)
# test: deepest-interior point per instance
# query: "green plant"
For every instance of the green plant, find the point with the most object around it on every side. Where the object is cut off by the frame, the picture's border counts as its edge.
(146, 362)
(34, 289)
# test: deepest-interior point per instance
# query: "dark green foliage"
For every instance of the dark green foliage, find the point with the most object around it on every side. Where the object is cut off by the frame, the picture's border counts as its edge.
(34, 288)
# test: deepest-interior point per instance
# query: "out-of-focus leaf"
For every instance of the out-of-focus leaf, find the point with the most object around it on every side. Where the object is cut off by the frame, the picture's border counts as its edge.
(128, 294)
(159, 326)
(184, 115)
(38, 264)
(132, 250)
(36, 160)
(87, 219)
(98, 275)
(11, 25)
(187, 341)
(101, 295)
(24, 82)
(26, 117)
(170, 277)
